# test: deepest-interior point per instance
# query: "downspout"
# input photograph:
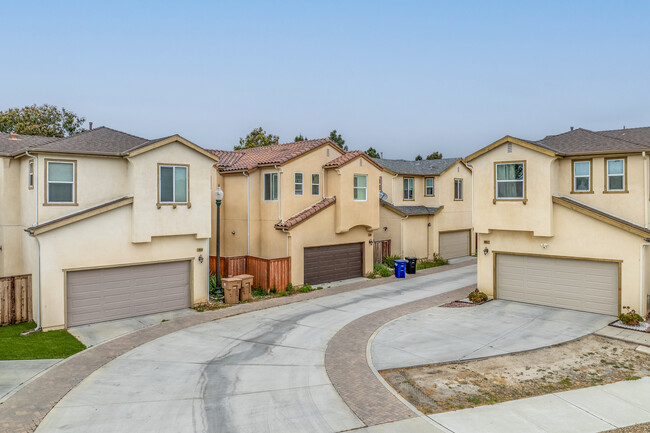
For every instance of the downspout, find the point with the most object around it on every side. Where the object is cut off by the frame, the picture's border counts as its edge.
(645, 186)
(401, 229)
(248, 213)
(38, 246)
(287, 233)
(642, 265)
(392, 188)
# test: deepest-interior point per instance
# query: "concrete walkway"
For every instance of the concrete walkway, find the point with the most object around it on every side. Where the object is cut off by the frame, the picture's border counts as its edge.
(15, 374)
(495, 328)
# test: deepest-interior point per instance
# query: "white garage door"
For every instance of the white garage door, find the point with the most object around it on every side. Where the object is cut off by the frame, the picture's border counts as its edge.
(454, 244)
(583, 285)
(99, 295)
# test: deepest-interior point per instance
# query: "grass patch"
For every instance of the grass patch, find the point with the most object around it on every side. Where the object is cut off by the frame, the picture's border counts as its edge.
(40, 345)
(426, 264)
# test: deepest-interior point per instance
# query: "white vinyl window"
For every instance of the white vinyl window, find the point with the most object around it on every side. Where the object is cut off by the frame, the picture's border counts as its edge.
(360, 187)
(510, 180)
(428, 186)
(615, 175)
(173, 184)
(408, 188)
(30, 174)
(60, 182)
(458, 189)
(270, 186)
(297, 183)
(582, 176)
(315, 184)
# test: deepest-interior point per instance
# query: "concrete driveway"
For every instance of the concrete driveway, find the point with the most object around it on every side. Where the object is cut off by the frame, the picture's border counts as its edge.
(495, 328)
(257, 372)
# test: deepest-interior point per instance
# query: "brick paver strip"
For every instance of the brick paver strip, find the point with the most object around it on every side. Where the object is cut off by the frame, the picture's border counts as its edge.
(347, 365)
(24, 410)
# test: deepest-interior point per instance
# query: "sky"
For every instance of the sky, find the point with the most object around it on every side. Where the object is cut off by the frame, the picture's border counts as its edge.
(405, 77)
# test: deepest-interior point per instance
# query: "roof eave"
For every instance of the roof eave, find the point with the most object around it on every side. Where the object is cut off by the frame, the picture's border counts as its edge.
(510, 139)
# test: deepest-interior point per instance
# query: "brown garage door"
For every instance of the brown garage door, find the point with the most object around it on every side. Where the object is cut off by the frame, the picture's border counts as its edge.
(99, 295)
(454, 244)
(333, 263)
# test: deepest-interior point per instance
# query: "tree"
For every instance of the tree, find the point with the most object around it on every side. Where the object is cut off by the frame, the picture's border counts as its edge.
(372, 152)
(418, 158)
(257, 138)
(434, 155)
(337, 139)
(45, 120)
(300, 138)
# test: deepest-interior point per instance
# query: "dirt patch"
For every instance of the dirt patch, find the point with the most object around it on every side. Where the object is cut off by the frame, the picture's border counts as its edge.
(589, 361)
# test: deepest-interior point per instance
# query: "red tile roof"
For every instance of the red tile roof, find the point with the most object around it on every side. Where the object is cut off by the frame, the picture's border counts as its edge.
(307, 213)
(349, 156)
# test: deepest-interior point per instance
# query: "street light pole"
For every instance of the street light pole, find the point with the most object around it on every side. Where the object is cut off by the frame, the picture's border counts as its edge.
(218, 196)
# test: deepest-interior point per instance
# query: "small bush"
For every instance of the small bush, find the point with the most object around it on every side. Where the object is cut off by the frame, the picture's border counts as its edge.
(259, 293)
(212, 283)
(437, 260)
(477, 297)
(390, 260)
(371, 275)
(319, 288)
(630, 318)
(289, 288)
(306, 288)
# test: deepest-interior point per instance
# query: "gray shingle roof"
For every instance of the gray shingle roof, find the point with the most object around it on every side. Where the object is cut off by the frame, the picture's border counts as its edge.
(11, 144)
(420, 168)
(580, 141)
(635, 135)
(413, 210)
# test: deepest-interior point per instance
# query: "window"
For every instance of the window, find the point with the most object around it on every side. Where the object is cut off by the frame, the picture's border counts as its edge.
(360, 186)
(270, 186)
(581, 176)
(381, 187)
(315, 184)
(297, 183)
(408, 188)
(458, 189)
(615, 169)
(173, 184)
(428, 186)
(30, 175)
(61, 182)
(510, 180)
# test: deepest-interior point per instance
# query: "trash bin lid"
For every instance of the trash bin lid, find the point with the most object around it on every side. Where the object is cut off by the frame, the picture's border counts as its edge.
(401, 261)
(410, 258)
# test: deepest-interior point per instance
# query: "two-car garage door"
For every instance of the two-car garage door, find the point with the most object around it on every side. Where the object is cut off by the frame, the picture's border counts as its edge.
(100, 295)
(584, 285)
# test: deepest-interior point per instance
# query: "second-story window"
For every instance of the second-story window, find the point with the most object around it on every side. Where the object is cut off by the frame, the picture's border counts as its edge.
(581, 176)
(458, 189)
(360, 187)
(30, 174)
(270, 186)
(615, 174)
(173, 184)
(297, 183)
(408, 188)
(510, 180)
(381, 186)
(315, 184)
(60, 182)
(428, 186)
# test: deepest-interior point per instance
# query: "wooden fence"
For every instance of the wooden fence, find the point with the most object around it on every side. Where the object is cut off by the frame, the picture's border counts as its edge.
(267, 273)
(15, 299)
(381, 249)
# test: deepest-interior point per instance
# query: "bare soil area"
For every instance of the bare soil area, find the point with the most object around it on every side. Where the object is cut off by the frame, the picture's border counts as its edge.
(589, 361)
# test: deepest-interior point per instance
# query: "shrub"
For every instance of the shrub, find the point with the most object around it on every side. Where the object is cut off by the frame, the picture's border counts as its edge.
(390, 260)
(435, 261)
(212, 283)
(306, 288)
(289, 288)
(630, 318)
(259, 293)
(477, 297)
(371, 275)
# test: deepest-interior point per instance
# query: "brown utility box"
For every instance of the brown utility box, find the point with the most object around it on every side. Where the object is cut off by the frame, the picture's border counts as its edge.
(231, 287)
(246, 291)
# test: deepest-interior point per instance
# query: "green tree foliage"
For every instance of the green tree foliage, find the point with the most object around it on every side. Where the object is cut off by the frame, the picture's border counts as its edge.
(418, 158)
(45, 120)
(336, 138)
(257, 138)
(300, 138)
(434, 155)
(372, 152)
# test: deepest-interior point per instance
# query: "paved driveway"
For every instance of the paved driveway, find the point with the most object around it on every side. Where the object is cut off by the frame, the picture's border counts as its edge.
(257, 372)
(496, 328)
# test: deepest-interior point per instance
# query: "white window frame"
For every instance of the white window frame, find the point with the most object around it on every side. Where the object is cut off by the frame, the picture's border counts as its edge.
(187, 183)
(317, 184)
(296, 183)
(359, 188)
(578, 176)
(523, 181)
(30, 174)
(607, 161)
(458, 188)
(426, 187)
(271, 177)
(73, 182)
(405, 190)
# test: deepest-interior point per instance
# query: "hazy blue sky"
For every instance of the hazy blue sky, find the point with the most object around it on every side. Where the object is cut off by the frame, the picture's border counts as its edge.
(405, 77)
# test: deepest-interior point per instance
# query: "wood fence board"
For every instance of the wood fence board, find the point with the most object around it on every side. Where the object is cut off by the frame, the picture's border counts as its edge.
(267, 273)
(15, 300)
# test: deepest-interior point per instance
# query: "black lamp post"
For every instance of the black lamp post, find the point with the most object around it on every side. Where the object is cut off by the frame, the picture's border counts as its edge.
(218, 196)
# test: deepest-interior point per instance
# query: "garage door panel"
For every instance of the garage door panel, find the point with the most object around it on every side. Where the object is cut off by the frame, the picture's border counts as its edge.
(454, 244)
(583, 285)
(333, 262)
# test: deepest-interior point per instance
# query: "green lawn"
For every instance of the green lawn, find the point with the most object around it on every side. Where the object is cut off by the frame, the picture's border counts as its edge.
(40, 345)
(425, 264)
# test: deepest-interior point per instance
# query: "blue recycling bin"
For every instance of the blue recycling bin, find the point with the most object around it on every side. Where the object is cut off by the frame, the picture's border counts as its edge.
(400, 268)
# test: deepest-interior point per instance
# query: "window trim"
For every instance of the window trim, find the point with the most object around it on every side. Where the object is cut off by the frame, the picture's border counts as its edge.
(606, 189)
(187, 203)
(591, 176)
(462, 193)
(46, 195)
(433, 187)
(412, 179)
(277, 186)
(315, 184)
(524, 200)
(30, 174)
(365, 188)
(301, 183)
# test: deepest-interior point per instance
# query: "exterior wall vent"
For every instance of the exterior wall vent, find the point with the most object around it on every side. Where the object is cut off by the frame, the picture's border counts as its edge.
(509, 147)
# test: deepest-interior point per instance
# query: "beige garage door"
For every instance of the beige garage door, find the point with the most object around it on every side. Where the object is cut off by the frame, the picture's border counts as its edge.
(583, 285)
(333, 263)
(454, 244)
(100, 295)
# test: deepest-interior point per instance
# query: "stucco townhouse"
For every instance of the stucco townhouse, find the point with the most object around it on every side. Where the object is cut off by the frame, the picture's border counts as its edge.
(308, 204)
(426, 208)
(563, 221)
(108, 224)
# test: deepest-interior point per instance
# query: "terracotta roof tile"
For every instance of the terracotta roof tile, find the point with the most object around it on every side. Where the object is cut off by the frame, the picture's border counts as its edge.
(346, 157)
(304, 214)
